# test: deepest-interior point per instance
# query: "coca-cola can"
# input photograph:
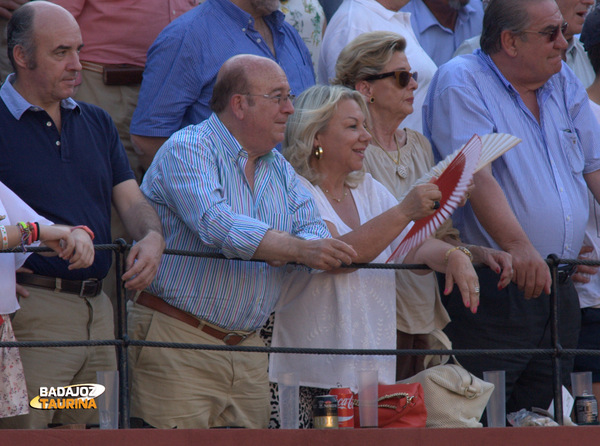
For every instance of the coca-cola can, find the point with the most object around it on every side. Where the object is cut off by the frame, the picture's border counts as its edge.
(345, 401)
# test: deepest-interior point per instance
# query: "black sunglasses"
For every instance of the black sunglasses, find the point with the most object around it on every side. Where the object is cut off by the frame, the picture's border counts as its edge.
(402, 77)
(552, 33)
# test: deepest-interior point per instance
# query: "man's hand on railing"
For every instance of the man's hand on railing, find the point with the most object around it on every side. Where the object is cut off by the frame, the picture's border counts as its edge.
(143, 260)
(531, 272)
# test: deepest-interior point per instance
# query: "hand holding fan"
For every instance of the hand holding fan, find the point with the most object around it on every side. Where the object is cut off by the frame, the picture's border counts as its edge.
(453, 183)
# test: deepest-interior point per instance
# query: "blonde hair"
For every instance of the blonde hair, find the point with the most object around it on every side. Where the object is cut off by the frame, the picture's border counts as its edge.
(313, 110)
(366, 55)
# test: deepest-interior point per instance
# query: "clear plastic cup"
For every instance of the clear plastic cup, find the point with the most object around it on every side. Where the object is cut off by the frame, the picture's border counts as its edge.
(496, 407)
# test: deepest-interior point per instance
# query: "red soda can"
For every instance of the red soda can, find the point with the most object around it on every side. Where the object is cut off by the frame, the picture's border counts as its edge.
(345, 400)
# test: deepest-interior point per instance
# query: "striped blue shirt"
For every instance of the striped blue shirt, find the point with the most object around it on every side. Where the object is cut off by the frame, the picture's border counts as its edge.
(184, 61)
(197, 185)
(542, 177)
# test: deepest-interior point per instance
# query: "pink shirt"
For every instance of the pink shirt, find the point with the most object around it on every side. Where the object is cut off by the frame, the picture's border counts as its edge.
(121, 31)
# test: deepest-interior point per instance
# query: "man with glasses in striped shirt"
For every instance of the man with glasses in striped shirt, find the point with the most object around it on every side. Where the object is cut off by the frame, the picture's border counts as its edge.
(220, 188)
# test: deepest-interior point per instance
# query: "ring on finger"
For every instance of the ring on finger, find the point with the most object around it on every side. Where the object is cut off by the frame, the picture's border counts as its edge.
(477, 289)
(436, 205)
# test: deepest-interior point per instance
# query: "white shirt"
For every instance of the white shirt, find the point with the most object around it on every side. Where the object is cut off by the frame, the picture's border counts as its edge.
(589, 293)
(579, 62)
(350, 311)
(355, 17)
(12, 211)
(468, 46)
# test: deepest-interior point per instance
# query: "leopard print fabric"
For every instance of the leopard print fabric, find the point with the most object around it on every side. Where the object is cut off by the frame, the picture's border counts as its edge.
(307, 394)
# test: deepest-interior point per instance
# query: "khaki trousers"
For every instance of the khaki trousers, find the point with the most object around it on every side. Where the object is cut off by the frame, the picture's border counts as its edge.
(194, 389)
(49, 316)
(119, 101)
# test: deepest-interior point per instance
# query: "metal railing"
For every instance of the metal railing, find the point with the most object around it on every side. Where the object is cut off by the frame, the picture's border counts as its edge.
(122, 341)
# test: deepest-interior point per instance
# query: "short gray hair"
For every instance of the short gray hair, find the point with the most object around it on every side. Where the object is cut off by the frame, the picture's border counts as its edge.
(232, 79)
(503, 15)
(313, 110)
(19, 31)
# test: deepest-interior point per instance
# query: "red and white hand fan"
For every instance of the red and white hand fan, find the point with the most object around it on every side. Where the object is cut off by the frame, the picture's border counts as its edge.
(453, 184)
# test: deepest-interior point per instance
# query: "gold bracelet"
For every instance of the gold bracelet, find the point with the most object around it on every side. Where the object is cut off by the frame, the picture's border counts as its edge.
(462, 249)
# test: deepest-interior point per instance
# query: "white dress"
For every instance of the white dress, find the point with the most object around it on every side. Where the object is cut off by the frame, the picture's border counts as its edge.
(355, 17)
(349, 311)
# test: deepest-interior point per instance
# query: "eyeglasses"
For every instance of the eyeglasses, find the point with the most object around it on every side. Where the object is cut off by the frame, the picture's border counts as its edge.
(552, 32)
(402, 77)
(278, 98)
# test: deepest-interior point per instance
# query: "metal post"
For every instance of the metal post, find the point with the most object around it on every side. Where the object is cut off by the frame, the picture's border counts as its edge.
(122, 333)
(553, 262)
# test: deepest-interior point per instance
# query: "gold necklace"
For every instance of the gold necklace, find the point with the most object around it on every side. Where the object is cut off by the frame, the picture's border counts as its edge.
(339, 200)
(400, 168)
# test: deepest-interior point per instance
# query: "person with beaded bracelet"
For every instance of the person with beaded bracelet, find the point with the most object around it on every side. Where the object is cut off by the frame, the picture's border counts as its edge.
(32, 231)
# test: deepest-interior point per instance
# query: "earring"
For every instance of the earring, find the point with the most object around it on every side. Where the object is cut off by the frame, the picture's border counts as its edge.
(318, 152)
(372, 100)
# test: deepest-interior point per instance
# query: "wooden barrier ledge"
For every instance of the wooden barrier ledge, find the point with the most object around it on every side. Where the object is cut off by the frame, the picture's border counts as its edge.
(524, 436)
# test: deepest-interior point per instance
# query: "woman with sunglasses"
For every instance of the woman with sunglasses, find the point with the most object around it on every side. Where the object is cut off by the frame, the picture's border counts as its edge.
(375, 65)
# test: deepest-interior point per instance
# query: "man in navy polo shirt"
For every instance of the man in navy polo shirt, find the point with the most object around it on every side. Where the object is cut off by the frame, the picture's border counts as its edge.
(66, 161)
(184, 60)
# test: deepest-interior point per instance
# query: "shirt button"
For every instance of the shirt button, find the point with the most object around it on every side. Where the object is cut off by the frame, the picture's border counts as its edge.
(58, 143)
(561, 189)
(49, 124)
(568, 218)
(258, 40)
(244, 30)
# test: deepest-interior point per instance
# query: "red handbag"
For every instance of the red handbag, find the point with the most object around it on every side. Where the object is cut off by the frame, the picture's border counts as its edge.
(399, 405)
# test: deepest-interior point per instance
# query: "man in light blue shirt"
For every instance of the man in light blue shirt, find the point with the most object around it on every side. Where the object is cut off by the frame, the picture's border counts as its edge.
(219, 187)
(442, 25)
(532, 201)
(184, 60)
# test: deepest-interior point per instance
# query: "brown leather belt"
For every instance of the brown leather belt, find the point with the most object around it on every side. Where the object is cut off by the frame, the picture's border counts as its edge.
(116, 74)
(157, 304)
(82, 288)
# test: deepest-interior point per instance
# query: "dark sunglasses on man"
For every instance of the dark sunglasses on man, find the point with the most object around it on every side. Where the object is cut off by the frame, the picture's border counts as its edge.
(552, 32)
(402, 77)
